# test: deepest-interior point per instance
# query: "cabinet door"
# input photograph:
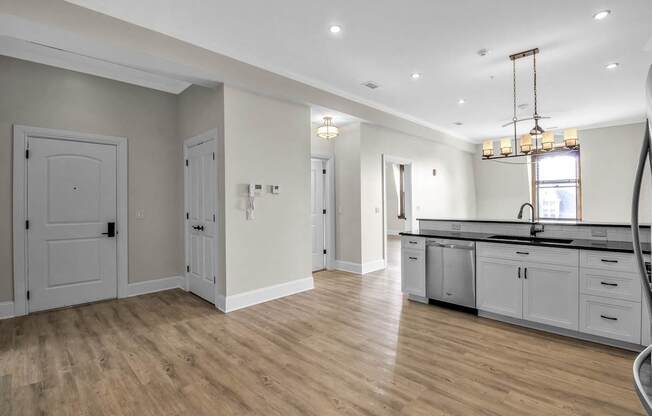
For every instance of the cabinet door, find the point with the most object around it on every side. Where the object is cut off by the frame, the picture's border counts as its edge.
(499, 288)
(646, 338)
(413, 272)
(551, 295)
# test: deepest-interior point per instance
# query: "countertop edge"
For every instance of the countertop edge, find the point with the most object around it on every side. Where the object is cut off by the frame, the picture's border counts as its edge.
(578, 224)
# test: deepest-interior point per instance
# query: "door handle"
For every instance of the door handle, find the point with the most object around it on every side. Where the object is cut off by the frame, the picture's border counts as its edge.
(198, 227)
(110, 229)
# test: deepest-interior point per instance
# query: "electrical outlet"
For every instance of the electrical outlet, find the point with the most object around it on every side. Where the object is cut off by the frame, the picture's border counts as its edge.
(456, 227)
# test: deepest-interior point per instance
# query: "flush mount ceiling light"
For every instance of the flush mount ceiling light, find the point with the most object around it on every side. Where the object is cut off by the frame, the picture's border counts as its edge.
(328, 130)
(335, 29)
(602, 14)
(612, 65)
(537, 140)
(415, 75)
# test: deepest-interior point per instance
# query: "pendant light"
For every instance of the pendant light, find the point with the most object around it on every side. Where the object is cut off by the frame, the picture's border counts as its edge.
(488, 148)
(570, 138)
(526, 144)
(328, 130)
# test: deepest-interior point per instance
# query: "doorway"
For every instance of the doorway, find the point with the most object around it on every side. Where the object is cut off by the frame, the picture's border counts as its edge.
(397, 206)
(322, 206)
(201, 227)
(70, 227)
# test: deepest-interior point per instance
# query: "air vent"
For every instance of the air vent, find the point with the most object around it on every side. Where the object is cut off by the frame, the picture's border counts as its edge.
(370, 84)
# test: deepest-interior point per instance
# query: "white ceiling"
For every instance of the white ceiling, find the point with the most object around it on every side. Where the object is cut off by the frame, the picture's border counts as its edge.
(385, 41)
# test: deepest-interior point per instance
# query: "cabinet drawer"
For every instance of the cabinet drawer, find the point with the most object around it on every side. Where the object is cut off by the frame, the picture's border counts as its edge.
(606, 260)
(610, 318)
(548, 255)
(612, 284)
(409, 242)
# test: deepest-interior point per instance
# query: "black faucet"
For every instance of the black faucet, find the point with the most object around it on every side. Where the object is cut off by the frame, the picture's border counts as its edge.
(535, 227)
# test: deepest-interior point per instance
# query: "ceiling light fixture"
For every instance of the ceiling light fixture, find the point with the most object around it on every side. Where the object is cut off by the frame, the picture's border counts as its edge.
(602, 14)
(328, 130)
(335, 29)
(612, 65)
(415, 75)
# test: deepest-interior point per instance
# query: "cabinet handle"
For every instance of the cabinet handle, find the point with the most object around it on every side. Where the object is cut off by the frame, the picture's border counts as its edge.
(608, 261)
(525, 273)
(611, 318)
(413, 242)
(519, 272)
(609, 284)
(412, 258)
(523, 252)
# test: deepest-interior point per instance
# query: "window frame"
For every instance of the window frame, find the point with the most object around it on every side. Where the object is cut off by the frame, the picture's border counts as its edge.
(535, 183)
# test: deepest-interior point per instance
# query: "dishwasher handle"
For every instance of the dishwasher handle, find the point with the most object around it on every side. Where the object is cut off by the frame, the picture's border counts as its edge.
(453, 246)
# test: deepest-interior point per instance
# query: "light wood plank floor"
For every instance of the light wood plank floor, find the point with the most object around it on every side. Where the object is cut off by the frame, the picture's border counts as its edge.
(353, 346)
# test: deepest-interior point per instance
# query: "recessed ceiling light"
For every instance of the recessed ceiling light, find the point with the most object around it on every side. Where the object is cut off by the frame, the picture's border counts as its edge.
(483, 52)
(602, 14)
(612, 65)
(461, 101)
(335, 29)
(416, 75)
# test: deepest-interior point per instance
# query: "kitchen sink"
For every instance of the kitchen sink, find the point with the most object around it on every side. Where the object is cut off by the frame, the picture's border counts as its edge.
(532, 239)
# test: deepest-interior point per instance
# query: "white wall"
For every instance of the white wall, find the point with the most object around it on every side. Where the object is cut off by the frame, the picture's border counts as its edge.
(394, 224)
(449, 194)
(266, 141)
(608, 160)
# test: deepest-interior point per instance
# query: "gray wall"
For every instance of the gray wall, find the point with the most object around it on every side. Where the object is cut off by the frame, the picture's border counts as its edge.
(267, 142)
(41, 96)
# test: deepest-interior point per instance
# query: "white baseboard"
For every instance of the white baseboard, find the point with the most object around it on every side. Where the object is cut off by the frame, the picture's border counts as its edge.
(156, 285)
(357, 268)
(6, 310)
(372, 266)
(254, 297)
(347, 266)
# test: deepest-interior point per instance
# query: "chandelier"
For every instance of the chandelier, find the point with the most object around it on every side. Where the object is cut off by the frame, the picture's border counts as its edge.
(328, 130)
(538, 140)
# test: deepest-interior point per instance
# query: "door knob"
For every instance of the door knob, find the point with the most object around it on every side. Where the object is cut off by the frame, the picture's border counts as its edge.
(110, 229)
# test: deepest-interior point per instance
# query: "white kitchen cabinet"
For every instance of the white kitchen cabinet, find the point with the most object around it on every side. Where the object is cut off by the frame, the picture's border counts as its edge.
(413, 272)
(551, 295)
(611, 318)
(646, 337)
(498, 287)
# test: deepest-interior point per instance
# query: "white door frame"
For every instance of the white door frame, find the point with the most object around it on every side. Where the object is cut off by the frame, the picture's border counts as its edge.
(329, 197)
(187, 144)
(21, 133)
(409, 185)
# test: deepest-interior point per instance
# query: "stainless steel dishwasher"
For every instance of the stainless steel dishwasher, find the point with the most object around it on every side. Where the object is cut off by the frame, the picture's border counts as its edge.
(450, 271)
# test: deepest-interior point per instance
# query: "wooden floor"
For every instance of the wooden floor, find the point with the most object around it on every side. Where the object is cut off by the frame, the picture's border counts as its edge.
(352, 346)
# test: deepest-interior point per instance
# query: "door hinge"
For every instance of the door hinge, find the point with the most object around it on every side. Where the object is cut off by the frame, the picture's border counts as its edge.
(188, 269)
(28, 295)
(27, 224)
(187, 215)
(324, 251)
(213, 155)
(324, 211)
(187, 162)
(214, 279)
(26, 153)
(213, 217)
(323, 171)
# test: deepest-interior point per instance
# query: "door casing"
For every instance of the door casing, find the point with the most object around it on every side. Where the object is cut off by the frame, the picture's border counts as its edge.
(329, 203)
(21, 134)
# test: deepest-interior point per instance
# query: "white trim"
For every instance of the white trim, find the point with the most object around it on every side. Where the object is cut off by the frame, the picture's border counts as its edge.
(348, 266)
(155, 285)
(187, 144)
(372, 266)
(6, 310)
(220, 302)
(329, 196)
(21, 133)
(254, 297)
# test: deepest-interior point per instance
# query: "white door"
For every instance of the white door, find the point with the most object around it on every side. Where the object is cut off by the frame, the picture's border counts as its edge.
(551, 295)
(318, 213)
(71, 199)
(499, 287)
(200, 219)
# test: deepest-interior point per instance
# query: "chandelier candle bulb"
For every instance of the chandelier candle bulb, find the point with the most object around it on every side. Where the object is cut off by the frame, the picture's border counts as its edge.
(548, 141)
(487, 148)
(526, 143)
(506, 146)
(570, 138)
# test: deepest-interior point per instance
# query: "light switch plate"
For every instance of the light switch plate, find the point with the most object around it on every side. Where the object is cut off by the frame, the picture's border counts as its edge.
(140, 214)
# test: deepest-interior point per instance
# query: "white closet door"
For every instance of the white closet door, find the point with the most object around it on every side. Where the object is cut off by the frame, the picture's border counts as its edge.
(318, 214)
(200, 228)
(71, 200)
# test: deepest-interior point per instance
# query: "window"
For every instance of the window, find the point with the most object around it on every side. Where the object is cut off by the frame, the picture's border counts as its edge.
(401, 192)
(556, 186)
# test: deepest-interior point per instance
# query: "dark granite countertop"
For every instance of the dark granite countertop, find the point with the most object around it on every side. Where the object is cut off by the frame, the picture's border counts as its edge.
(601, 245)
(579, 223)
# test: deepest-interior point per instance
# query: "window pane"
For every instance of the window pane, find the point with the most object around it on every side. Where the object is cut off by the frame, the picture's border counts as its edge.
(557, 201)
(556, 167)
